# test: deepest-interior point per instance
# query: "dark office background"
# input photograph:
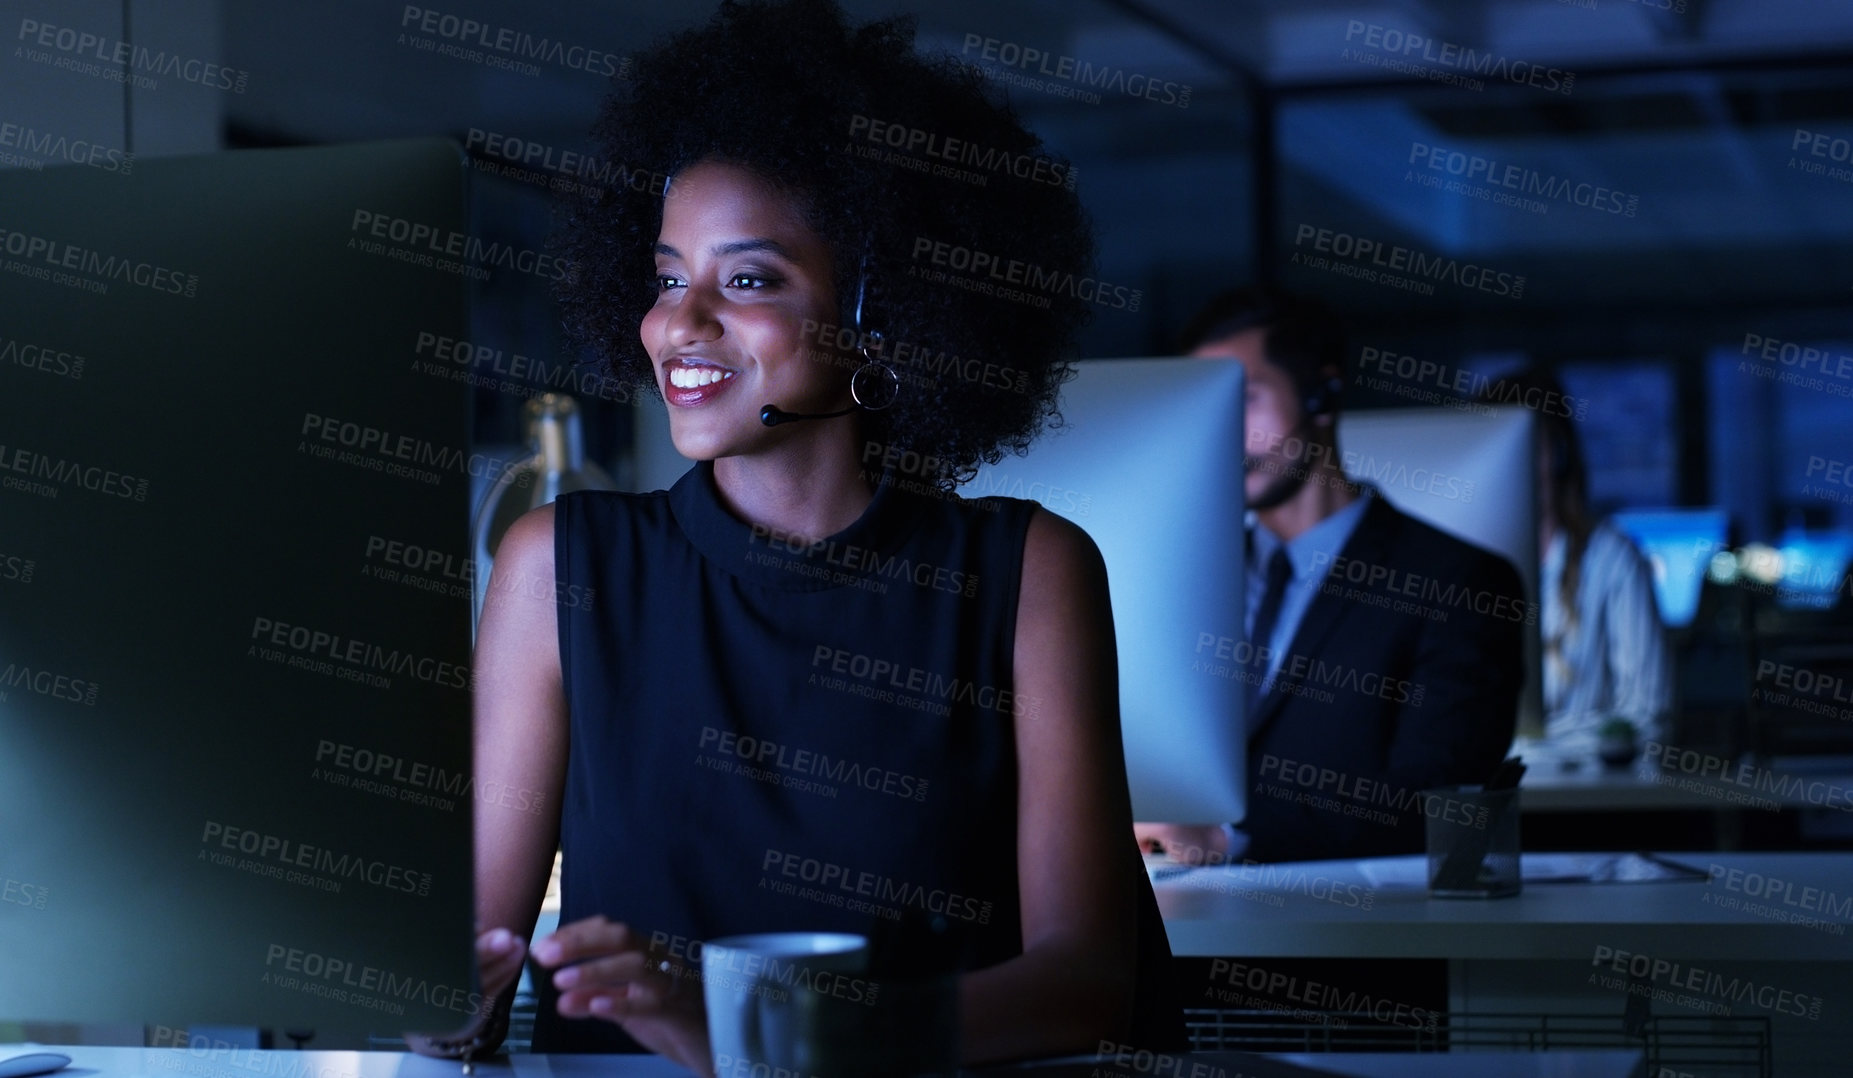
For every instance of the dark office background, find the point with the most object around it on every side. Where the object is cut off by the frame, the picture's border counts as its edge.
(1691, 193)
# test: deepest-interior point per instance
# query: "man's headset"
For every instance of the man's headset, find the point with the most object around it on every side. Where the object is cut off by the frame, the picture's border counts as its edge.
(1323, 400)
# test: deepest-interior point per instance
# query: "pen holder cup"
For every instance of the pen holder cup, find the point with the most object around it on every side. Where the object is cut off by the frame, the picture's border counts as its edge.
(1473, 842)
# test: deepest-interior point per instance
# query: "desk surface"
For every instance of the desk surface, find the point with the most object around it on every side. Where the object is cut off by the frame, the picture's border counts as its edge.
(1647, 786)
(88, 1062)
(1327, 909)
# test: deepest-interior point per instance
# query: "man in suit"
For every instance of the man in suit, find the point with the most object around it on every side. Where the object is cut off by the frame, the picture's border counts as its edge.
(1381, 655)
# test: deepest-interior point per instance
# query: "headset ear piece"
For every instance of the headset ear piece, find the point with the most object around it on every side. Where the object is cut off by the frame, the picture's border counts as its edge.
(1324, 400)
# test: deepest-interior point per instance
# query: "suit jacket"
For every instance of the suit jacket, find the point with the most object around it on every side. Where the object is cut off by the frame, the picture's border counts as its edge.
(1403, 674)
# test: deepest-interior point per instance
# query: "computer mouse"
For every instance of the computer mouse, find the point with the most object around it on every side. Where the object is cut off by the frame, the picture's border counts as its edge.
(33, 1063)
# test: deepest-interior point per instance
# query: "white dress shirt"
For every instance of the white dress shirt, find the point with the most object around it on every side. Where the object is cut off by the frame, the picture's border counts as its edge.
(1616, 663)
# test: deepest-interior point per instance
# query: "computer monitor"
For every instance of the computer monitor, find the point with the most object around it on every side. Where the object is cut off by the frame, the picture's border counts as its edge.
(1679, 544)
(1473, 474)
(234, 659)
(1814, 567)
(1149, 464)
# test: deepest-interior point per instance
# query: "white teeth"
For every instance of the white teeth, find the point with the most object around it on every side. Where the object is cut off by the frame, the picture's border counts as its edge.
(696, 377)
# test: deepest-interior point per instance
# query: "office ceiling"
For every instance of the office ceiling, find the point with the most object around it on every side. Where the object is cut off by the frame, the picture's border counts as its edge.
(1691, 107)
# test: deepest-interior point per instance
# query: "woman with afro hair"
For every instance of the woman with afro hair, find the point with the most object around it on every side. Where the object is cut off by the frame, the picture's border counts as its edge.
(816, 689)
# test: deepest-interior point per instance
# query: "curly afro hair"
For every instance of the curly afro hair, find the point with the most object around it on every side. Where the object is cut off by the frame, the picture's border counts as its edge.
(971, 268)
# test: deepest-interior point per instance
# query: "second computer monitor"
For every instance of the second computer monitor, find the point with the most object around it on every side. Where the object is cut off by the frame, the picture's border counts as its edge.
(1474, 475)
(1149, 464)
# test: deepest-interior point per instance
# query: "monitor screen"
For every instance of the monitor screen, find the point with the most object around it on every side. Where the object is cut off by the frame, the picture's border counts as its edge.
(1471, 473)
(1679, 544)
(1149, 464)
(234, 687)
(1814, 564)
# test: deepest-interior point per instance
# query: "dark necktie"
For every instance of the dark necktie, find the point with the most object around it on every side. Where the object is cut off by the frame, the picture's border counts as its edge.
(1280, 571)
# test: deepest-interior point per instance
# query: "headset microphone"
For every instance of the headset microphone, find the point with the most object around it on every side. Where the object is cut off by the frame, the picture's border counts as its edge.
(772, 415)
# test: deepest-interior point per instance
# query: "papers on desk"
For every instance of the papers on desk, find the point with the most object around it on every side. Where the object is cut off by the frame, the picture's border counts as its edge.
(1411, 873)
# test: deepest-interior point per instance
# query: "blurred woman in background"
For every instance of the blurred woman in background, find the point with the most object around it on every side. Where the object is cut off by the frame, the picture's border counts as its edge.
(1605, 655)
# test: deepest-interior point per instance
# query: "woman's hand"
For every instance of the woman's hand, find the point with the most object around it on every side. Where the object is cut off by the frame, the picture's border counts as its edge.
(499, 954)
(603, 970)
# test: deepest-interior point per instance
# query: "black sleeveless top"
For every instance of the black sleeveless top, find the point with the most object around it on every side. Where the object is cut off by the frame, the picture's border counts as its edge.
(770, 736)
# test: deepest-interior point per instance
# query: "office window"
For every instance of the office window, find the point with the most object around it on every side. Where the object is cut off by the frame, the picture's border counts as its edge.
(1627, 431)
(1794, 470)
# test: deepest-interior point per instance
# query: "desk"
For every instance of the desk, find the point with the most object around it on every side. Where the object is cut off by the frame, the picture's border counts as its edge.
(1647, 787)
(1550, 949)
(87, 1062)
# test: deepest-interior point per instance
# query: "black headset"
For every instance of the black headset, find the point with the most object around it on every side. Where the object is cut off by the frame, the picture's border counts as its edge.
(1323, 400)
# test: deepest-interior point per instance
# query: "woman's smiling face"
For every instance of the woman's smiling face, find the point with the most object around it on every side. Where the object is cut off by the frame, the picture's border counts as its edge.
(740, 277)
